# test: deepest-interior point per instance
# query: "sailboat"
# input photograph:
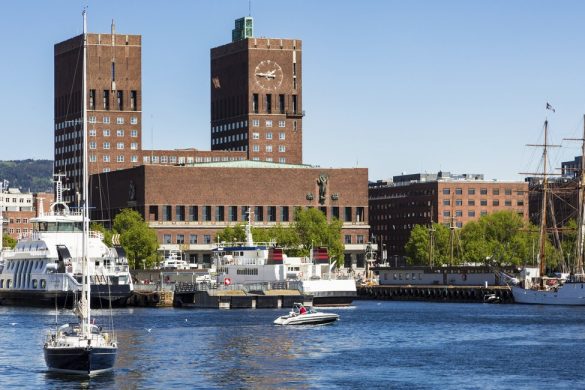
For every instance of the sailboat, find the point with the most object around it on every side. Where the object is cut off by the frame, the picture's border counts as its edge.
(82, 348)
(539, 289)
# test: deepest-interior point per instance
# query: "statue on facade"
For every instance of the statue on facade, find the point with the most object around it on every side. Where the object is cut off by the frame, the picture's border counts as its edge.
(322, 182)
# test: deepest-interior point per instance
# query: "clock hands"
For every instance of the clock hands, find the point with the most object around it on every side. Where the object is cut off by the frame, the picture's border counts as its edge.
(268, 75)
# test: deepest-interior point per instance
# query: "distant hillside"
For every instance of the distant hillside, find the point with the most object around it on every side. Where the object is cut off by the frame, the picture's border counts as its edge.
(28, 175)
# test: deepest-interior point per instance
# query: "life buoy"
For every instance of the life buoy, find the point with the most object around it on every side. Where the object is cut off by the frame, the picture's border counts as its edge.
(227, 281)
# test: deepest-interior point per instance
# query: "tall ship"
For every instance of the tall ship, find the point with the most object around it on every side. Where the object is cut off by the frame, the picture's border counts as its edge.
(250, 264)
(45, 266)
(535, 286)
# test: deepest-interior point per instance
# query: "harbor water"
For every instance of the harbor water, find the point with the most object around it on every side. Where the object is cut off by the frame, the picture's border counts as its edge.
(376, 344)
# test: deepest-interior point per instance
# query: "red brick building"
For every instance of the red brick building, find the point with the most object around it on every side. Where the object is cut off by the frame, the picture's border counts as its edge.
(114, 99)
(189, 205)
(19, 207)
(409, 200)
(256, 96)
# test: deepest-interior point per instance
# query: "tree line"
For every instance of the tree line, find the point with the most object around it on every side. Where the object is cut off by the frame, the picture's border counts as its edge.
(502, 237)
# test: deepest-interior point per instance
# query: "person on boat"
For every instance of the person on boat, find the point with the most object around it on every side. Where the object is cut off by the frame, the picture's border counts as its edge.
(302, 310)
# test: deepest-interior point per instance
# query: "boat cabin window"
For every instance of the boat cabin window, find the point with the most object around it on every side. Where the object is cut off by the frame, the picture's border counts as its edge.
(58, 226)
(1, 283)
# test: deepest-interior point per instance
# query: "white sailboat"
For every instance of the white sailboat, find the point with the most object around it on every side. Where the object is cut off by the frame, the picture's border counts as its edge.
(83, 347)
(539, 289)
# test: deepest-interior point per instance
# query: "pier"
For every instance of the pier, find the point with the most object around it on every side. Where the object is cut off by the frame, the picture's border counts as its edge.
(435, 293)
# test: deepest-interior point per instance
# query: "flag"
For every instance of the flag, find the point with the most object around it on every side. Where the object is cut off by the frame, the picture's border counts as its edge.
(549, 107)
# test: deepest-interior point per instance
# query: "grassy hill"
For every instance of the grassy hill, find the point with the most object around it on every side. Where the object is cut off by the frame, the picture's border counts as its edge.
(28, 175)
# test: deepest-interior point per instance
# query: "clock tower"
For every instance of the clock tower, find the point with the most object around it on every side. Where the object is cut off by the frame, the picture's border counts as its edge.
(256, 96)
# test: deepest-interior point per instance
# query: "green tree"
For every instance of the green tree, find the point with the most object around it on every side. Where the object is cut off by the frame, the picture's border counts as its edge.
(8, 242)
(236, 233)
(417, 248)
(313, 231)
(137, 238)
(97, 227)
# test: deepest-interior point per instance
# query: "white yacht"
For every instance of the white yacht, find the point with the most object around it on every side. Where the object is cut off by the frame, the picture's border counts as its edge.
(250, 264)
(45, 266)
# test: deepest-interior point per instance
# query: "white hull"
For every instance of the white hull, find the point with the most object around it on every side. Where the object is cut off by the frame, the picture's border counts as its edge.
(567, 294)
(306, 319)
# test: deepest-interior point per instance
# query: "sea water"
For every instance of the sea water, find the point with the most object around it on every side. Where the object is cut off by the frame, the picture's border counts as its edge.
(376, 344)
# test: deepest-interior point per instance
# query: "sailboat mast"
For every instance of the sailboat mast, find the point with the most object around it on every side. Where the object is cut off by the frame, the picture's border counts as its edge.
(542, 239)
(85, 292)
(581, 227)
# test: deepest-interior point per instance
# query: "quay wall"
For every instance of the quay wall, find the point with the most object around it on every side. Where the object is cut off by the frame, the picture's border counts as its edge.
(434, 293)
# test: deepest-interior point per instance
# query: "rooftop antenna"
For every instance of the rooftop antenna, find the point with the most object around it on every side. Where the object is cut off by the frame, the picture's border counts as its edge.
(249, 7)
(113, 27)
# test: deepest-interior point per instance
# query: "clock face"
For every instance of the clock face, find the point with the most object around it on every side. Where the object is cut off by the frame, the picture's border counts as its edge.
(268, 75)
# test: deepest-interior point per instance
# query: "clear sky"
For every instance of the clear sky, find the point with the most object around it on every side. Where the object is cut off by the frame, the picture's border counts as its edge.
(394, 86)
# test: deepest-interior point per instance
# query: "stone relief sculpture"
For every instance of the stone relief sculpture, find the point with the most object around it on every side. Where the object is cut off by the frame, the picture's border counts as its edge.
(322, 182)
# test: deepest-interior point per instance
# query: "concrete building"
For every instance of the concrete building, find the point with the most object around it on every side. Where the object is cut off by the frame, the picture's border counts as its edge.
(396, 207)
(256, 96)
(188, 205)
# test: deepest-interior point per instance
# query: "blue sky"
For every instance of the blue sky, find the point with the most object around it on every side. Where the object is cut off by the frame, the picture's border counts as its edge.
(394, 86)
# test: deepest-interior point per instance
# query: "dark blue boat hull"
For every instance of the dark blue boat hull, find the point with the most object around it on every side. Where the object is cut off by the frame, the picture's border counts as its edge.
(81, 361)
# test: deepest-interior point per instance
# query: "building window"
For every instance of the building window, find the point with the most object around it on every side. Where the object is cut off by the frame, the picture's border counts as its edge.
(281, 103)
(446, 202)
(193, 239)
(520, 203)
(446, 191)
(167, 239)
(471, 202)
(360, 239)
(269, 135)
(207, 239)
(347, 214)
(106, 119)
(282, 160)
(134, 159)
(483, 202)
(119, 133)
(446, 213)
(193, 213)
(106, 158)
(153, 213)
(458, 213)
(508, 191)
(255, 122)
(495, 202)
(483, 191)
(258, 213)
(268, 148)
(120, 145)
(284, 216)
(134, 133)
(180, 213)
(458, 202)
(180, 238)
(92, 132)
(282, 148)
(271, 213)
(335, 212)
(269, 103)
(92, 145)
(133, 120)
(268, 123)
(471, 191)
(134, 145)
(106, 145)
(207, 213)
(282, 124)
(106, 99)
(167, 213)
(458, 191)
(471, 213)
(119, 120)
(120, 100)
(133, 100)
(92, 119)
(120, 158)
(255, 135)
(496, 191)
(508, 202)
(232, 213)
(219, 213)
(255, 103)
(93, 158)
(347, 239)
(255, 148)
(106, 133)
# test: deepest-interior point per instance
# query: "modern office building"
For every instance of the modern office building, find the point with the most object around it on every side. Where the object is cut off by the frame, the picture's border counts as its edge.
(256, 96)
(396, 206)
(114, 100)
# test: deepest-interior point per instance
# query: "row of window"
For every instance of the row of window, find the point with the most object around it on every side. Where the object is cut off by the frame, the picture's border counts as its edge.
(207, 239)
(106, 120)
(119, 145)
(482, 202)
(281, 160)
(119, 133)
(281, 135)
(267, 123)
(119, 98)
(17, 230)
(268, 105)
(34, 283)
(268, 148)
(14, 200)
(229, 138)
(188, 160)
(229, 126)
(482, 191)
(182, 213)
(106, 158)
(19, 220)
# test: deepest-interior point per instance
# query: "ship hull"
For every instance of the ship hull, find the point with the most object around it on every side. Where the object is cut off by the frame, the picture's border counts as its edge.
(101, 296)
(571, 294)
(80, 360)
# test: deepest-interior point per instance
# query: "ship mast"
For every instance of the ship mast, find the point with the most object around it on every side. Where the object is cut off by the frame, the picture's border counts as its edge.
(581, 227)
(542, 237)
(85, 291)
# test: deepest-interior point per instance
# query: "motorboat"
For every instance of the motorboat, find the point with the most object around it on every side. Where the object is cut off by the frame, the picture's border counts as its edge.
(301, 315)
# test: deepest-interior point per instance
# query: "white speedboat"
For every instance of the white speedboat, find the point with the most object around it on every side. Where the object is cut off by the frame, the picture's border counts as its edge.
(301, 315)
